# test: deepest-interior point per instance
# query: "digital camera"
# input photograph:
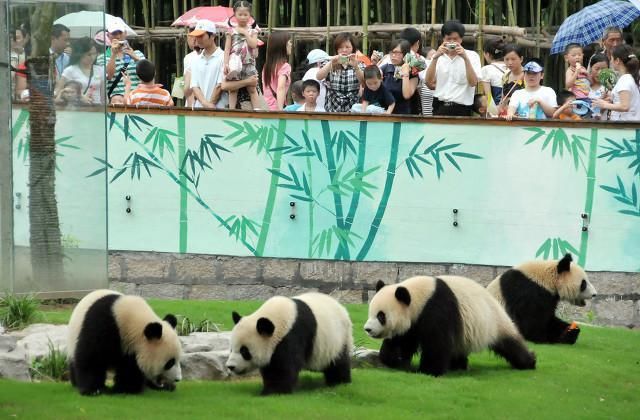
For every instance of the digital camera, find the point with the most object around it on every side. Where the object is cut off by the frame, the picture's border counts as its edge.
(451, 45)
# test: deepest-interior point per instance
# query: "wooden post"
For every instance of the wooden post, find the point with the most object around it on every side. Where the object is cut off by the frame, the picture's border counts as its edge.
(481, 23)
(125, 12)
(414, 11)
(365, 27)
(145, 13)
(348, 7)
(434, 38)
(294, 12)
(326, 48)
(511, 17)
(393, 11)
(538, 26)
(379, 11)
(338, 6)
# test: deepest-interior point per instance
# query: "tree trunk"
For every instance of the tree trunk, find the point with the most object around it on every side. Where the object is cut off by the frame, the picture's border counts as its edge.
(45, 241)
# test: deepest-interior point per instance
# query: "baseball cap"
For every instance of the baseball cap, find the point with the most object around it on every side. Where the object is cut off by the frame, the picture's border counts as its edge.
(202, 27)
(317, 56)
(533, 67)
(116, 25)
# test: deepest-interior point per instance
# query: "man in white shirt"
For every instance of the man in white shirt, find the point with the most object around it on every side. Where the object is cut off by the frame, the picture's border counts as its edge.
(318, 58)
(207, 69)
(453, 73)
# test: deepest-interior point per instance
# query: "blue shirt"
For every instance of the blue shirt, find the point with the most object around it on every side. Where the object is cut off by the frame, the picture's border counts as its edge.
(292, 107)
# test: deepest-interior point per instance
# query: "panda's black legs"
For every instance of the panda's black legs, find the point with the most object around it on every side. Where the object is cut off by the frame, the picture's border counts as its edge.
(515, 352)
(434, 362)
(459, 363)
(339, 371)
(89, 381)
(397, 352)
(279, 380)
(128, 379)
(558, 332)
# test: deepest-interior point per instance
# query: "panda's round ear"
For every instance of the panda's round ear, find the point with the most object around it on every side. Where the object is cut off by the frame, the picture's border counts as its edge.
(171, 319)
(379, 285)
(265, 327)
(402, 294)
(153, 330)
(236, 317)
(564, 264)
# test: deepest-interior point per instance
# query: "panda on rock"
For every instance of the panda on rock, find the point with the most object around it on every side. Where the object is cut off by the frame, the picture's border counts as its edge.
(285, 335)
(530, 293)
(112, 331)
(445, 318)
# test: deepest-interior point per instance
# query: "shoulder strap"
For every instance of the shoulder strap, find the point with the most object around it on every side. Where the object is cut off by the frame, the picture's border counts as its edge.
(498, 67)
(117, 79)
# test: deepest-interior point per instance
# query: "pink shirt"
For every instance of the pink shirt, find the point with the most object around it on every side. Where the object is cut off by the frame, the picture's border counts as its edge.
(270, 88)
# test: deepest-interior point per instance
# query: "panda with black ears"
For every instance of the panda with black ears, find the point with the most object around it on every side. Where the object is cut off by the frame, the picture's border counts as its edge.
(531, 291)
(311, 331)
(112, 331)
(445, 318)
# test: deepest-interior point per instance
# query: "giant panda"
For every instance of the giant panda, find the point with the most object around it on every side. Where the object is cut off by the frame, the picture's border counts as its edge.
(112, 331)
(446, 318)
(285, 335)
(530, 293)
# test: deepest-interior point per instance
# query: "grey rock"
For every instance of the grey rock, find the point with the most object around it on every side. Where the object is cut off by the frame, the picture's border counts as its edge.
(7, 343)
(363, 358)
(38, 337)
(206, 342)
(14, 365)
(205, 365)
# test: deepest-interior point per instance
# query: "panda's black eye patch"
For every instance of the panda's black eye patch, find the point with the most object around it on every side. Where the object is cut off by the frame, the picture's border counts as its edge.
(169, 364)
(246, 354)
(382, 318)
(583, 285)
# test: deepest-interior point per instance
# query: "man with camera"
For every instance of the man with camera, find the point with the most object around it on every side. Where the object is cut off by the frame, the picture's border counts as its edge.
(120, 57)
(452, 73)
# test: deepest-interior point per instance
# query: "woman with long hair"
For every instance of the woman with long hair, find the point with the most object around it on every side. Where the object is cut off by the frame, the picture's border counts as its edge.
(276, 72)
(625, 96)
(83, 70)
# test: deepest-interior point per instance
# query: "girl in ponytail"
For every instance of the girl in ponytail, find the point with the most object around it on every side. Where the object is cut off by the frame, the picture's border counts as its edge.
(625, 96)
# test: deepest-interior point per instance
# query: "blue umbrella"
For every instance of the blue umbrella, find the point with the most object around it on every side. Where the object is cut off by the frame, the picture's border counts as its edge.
(588, 25)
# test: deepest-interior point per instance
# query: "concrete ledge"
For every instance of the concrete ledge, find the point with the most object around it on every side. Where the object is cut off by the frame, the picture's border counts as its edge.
(210, 277)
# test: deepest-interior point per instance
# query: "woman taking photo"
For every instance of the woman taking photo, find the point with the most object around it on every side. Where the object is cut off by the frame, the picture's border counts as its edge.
(397, 77)
(342, 75)
(276, 73)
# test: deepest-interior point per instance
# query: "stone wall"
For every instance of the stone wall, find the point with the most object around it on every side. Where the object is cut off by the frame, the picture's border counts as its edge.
(211, 277)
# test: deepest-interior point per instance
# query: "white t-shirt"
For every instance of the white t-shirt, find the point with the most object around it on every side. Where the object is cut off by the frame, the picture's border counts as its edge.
(95, 84)
(451, 78)
(188, 61)
(207, 73)
(311, 74)
(319, 108)
(626, 84)
(520, 101)
(493, 73)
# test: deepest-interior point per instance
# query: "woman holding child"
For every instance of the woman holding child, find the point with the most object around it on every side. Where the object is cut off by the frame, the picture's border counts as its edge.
(342, 75)
(625, 96)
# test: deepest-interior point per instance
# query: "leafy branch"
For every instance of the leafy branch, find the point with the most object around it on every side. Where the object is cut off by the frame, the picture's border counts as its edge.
(297, 150)
(254, 135)
(161, 140)
(435, 152)
(352, 181)
(626, 149)
(629, 199)
(557, 247)
(241, 227)
(321, 244)
(128, 119)
(137, 163)
(24, 145)
(201, 159)
(560, 143)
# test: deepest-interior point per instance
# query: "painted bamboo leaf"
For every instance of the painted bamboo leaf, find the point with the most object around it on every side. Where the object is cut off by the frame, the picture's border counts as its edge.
(105, 165)
(629, 199)
(435, 152)
(556, 248)
(560, 144)
(251, 135)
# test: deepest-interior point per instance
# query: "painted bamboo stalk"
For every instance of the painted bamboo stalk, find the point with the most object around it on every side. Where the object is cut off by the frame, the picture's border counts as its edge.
(337, 199)
(355, 198)
(311, 203)
(184, 215)
(591, 184)
(384, 199)
(273, 189)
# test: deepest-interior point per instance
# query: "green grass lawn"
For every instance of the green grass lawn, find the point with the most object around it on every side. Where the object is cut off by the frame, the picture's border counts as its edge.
(599, 377)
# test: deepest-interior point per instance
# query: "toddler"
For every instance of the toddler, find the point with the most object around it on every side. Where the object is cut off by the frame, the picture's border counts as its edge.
(376, 98)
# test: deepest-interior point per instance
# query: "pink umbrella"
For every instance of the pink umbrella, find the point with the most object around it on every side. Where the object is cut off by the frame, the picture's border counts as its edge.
(219, 15)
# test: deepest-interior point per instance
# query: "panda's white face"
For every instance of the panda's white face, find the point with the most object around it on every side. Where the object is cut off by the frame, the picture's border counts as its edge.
(159, 356)
(575, 287)
(249, 348)
(388, 316)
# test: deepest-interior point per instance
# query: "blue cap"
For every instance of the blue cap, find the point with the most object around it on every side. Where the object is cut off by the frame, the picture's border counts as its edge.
(533, 67)
(581, 107)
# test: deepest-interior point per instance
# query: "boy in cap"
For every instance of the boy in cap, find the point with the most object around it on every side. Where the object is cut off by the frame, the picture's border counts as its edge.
(535, 102)
(207, 70)
(317, 59)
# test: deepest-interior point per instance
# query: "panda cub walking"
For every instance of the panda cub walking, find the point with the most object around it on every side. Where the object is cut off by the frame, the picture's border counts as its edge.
(531, 291)
(446, 318)
(111, 331)
(285, 335)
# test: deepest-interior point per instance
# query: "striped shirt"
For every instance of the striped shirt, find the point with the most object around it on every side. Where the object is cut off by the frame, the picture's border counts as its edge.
(150, 96)
(103, 59)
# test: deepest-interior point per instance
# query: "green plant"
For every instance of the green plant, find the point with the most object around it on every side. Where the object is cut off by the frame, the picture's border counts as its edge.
(186, 326)
(17, 311)
(51, 367)
(591, 316)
